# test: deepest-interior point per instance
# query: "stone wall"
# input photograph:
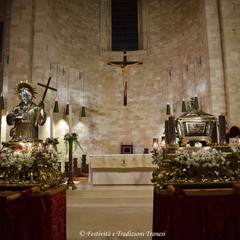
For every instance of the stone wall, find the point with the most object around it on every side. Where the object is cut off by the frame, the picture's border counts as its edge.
(63, 39)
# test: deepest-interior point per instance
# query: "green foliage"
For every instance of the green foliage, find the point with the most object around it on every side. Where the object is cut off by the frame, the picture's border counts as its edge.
(209, 166)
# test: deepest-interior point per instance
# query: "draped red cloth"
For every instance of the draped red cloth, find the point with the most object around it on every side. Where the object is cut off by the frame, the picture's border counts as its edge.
(212, 216)
(39, 216)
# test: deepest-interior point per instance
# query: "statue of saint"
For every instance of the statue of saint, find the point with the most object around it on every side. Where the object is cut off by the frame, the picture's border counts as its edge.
(26, 116)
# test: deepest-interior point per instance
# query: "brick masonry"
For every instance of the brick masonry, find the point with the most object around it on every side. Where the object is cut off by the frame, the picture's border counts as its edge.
(197, 41)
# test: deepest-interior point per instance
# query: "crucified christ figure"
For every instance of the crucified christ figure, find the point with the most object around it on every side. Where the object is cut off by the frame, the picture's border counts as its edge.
(124, 65)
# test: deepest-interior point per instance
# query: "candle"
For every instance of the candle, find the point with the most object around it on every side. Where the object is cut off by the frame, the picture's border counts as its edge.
(166, 129)
(50, 149)
(40, 147)
(70, 119)
(51, 122)
(172, 134)
(163, 142)
(155, 143)
(222, 129)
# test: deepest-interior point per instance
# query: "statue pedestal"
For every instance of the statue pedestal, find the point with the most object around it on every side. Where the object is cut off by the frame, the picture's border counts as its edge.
(41, 215)
(200, 214)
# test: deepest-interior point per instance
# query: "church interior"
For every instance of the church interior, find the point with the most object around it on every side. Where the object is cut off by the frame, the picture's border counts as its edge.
(117, 98)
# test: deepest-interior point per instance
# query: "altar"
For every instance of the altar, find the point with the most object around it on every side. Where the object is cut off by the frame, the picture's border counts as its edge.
(113, 169)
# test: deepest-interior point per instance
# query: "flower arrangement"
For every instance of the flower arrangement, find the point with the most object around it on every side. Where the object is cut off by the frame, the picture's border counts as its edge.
(9, 158)
(21, 160)
(202, 166)
(72, 137)
(51, 143)
(25, 166)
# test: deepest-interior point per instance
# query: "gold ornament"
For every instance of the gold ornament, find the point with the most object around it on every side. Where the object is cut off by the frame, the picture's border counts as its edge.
(26, 84)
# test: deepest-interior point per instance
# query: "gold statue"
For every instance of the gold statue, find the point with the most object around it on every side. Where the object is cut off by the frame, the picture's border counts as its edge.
(27, 115)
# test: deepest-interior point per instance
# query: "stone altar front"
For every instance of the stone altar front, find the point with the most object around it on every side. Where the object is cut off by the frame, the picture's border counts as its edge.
(113, 169)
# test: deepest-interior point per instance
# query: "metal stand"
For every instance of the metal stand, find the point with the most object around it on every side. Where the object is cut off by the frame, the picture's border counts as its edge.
(70, 183)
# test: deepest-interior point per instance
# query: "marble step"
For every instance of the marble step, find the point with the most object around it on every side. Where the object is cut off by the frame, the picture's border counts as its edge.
(110, 193)
(107, 201)
(91, 209)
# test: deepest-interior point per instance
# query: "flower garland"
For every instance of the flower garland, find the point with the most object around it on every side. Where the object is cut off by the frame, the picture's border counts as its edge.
(8, 159)
(30, 166)
(21, 158)
(197, 166)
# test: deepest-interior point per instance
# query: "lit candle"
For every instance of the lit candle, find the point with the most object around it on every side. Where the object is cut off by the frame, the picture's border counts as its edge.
(70, 119)
(163, 143)
(50, 149)
(155, 143)
(51, 122)
(39, 148)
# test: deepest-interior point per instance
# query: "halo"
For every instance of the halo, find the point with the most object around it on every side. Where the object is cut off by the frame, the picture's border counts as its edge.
(25, 84)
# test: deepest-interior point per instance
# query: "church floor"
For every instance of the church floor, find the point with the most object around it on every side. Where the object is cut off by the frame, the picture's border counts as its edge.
(109, 212)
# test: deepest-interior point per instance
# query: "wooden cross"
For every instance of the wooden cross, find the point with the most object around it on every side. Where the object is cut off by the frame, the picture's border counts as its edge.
(124, 66)
(46, 88)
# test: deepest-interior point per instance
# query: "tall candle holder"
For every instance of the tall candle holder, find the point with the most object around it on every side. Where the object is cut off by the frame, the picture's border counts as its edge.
(71, 140)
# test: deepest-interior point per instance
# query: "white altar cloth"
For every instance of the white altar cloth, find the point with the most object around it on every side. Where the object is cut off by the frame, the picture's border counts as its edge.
(111, 169)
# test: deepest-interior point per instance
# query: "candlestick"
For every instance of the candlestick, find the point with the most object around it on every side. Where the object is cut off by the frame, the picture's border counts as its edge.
(166, 129)
(222, 129)
(172, 134)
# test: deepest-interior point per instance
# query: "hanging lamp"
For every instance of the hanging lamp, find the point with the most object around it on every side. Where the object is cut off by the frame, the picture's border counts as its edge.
(67, 104)
(184, 109)
(168, 109)
(1, 101)
(83, 113)
(196, 105)
(56, 108)
(183, 105)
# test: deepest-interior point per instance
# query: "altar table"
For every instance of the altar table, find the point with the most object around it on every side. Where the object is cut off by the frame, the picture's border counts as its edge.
(112, 169)
(39, 216)
(206, 214)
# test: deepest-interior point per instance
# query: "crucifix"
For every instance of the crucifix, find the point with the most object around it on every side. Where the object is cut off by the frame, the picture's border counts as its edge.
(44, 95)
(124, 65)
(46, 88)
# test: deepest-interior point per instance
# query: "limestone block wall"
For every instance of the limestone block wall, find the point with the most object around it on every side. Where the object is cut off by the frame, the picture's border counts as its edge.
(231, 36)
(62, 40)
(73, 55)
(223, 43)
(177, 44)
